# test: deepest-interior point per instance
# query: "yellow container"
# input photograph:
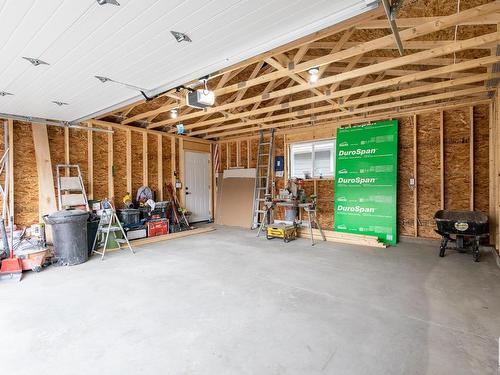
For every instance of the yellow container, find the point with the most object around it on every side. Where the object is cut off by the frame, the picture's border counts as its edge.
(286, 231)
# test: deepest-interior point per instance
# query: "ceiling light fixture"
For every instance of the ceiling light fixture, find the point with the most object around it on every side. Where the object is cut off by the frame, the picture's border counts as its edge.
(35, 61)
(111, 2)
(173, 113)
(5, 93)
(60, 104)
(313, 75)
(180, 37)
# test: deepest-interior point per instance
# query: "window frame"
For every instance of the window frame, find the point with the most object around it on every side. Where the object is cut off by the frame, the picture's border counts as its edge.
(312, 143)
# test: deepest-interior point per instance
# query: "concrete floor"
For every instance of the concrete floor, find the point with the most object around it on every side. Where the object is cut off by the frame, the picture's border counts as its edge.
(228, 303)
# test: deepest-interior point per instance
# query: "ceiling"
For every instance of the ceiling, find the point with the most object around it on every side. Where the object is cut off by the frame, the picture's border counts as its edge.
(131, 43)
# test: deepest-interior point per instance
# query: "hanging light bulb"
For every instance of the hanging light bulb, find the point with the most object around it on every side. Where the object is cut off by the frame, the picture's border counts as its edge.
(313, 75)
(173, 113)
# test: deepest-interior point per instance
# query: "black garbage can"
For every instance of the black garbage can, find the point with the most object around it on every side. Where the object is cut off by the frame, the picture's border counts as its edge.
(69, 230)
(92, 226)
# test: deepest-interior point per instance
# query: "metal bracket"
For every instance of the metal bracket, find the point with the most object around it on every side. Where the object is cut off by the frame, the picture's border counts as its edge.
(395, 6)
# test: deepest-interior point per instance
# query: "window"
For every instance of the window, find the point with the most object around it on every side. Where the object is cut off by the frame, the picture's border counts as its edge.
(312, 159)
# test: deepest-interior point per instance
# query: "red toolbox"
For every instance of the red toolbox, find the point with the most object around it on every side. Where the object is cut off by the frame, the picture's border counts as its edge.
(157, 227)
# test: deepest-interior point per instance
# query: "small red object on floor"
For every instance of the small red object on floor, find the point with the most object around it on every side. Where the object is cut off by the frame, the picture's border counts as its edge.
(157, 227)
(11, 268)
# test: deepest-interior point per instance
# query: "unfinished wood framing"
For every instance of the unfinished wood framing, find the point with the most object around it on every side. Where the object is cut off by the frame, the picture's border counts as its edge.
(145, 177)
(128, 155)
(415, 176)
(471, 158)
(111, 185)
(66, 150)
(441, 158)
(361, 80)
(182, 197)
(10, 124)
(90, 164)
(160, 167)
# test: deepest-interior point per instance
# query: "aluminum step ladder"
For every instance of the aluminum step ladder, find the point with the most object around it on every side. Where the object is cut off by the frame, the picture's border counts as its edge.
(70, 189)
(109, 224)
(263, 175)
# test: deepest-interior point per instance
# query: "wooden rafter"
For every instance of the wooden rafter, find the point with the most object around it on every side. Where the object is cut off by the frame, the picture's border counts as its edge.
(372, 86)
(357, 78)
(373, 99)
(375, 68)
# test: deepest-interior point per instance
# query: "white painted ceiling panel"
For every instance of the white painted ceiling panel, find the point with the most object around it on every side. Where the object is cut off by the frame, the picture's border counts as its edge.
(132, 43)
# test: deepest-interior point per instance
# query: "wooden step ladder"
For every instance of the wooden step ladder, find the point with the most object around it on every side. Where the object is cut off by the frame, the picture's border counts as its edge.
(263, 175)
(70, 189)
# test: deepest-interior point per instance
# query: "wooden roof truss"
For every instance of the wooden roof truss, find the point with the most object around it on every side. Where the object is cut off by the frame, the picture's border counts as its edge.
(361, 77)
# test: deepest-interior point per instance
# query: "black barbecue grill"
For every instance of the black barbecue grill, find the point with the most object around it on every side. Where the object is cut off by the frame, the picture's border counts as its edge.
(465, 228)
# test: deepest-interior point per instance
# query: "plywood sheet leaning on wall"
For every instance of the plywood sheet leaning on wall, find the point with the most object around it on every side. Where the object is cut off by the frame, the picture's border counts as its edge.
(429, 178)
(481, 158)
(120, 165)
(456, 159)
(405, 172)
(234, 202)
(25, 176)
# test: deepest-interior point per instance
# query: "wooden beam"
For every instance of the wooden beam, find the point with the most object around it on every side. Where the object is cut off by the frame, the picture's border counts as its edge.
(160, 167)
(46, 193)
(361, 89)
(111, 182)
(471, 157)
(435, 107)
(249, 143)
(171, 236)
(145, 176)
(417, 31)
(413, 45)
(335, 115)
(491, 19)
(66, 150)
(441, 157)
(162, 109)
(173, 166)
(10, 124)
(128, 156)
(415, 176)
(356, 102)
(182, 197)
(354, 74)
(142, 130)
(238, 155)
(492, 178)
(90, 162)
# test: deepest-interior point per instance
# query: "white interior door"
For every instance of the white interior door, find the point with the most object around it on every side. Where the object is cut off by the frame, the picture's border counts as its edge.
(197, 185)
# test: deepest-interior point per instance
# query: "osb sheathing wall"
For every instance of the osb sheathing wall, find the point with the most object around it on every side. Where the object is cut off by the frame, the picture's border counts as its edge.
(462, 190)
(25, 171)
